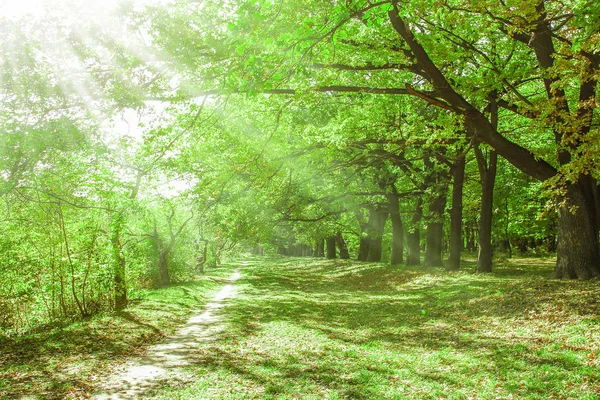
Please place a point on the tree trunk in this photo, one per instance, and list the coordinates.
(341, 244)
(435, 232)
(436, 181)
(201, 260)
(320, 247)
(414, 236)
(595, 191)
(577, 251)
(487, 173)
(363, 247)
(470, 235)
(163, 268)
(331, 254)
(397, 257)
(508, 245)
(456, 240)
(119, 279)
(570, 263)
(377, 218)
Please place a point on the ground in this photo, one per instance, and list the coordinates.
(306, 328)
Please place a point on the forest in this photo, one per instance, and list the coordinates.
(387, 179)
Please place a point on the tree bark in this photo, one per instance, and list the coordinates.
(595, 190)
(331, 253)
(397, 257)
(470, 231)
(119, 278)
(435, 233)
(120, 281)
(163, 268)
(456, 240)
(320, 247)
(163, 264)
(377, 218)
(436, 181)
(414, 236)
(363, 247)
(341, 244)
(508, 245)
(577, 251)
(487, 173)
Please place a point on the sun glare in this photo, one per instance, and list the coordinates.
(39, 8)
(20, 8)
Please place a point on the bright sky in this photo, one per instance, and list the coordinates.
(61, 56)
(38, 8)
(18, 8)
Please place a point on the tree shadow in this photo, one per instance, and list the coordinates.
(495, 325)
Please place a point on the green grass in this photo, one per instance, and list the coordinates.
(308, 329)
(67, 362)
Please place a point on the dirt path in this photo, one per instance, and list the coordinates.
(140, 376)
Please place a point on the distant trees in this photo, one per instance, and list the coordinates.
(518, 79)
(381, 131)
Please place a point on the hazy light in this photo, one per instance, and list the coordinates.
(39, 8)
(20, 8)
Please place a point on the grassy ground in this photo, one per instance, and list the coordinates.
(306, 329)
(67, 362)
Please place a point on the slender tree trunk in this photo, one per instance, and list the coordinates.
(201, 259)
(456, 240)
(414, 236)
(341, 244)
(470, 235)
(331, 253)
(436, 181)
(397, 257)
(506, 227)
(120, 281)
(163, 265)
(363, 246)
(435, 232)
(487, 173)
(163, 268)
(80, 307)
(320, 247)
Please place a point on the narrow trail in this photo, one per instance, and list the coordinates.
(164, 361)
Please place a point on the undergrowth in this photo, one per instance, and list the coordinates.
(67, 361)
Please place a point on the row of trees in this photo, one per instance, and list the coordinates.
(400, 132)
(517, 79)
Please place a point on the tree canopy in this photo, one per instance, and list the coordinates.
(143, 141)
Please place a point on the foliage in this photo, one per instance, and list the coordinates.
(61, 361)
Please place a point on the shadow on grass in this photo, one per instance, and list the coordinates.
(68, 360)
(370, 331)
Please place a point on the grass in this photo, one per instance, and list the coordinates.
(312, 329)
(67, 362)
